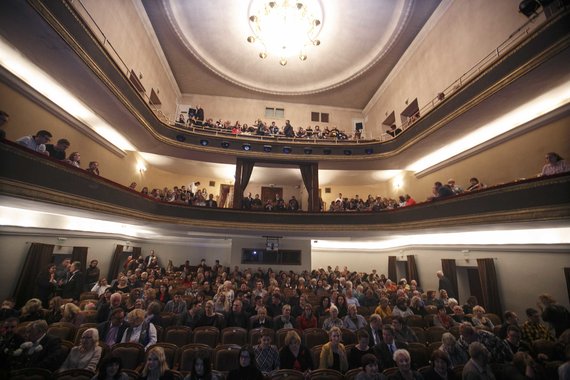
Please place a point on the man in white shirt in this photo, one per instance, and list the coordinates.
(36, 142)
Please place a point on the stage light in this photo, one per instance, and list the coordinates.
(204, 142)
(308, 150)
(181, 138)
(368, 150)
(225, 144)
(347, 152)
(246, 147)
(267, 148)
(327, 151)
(287, 149)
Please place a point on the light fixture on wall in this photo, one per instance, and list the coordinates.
(284, 28)
(246, 147)
(141, 168)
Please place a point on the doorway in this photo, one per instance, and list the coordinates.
(475, 284)
(226, 196)
(270, 193)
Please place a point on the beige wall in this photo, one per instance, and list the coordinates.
(466, 33)
(247, 111)
(123, 28)
(519, 281)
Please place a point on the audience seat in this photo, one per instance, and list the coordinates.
(234, 335)
(89, 296)
(255, 334)
(351, 375)
(171, 352)
(175, 375)
(423, 370)
(74, 374)
(168, 319)
(454, 330)
(420, 333)
(493, 318)
(316, 354)
(363, 310)
(191, 351)
(419, 354)
(89, 316)
(314, 337)
(178, 335)
(226, 357)
(458, 371)
(159, 331)
(62, 330)
(30, 374)
(543, 346)
(431, 347)
(131, 374)
(434, 333)
(209, 335)
(348, 336)
(287, 374)
(326, 374)
(219, 375)
(390, 371)
(66, 346)
(321, 320)
(387, 320)
(416, 321)
(431, 309)
(428, 320)
(132, 354)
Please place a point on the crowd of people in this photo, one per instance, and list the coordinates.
(131, 307)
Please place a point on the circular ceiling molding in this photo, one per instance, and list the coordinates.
(354, 37)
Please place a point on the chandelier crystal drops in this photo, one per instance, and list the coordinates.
(285, 28)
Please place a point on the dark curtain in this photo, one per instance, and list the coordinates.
(80, 254)
(412, 269)
(392, 275)
(38, 259)
(310, 175)
(449, 269)
(244, 168)
(137, 252)
(489, 286)
(115, 263)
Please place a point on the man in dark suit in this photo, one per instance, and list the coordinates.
(47, 349)
(374, 329)
(111, 331)
(211, 203)
(385, 350)
(104, 311)
(74, 285)
(148, 260)
(236, 317)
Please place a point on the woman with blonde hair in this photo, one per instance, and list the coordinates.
(72, 314)
(333, 353)
(32, 310)
(479, 320)
(86, 355)
(293, 355)
(156, 367)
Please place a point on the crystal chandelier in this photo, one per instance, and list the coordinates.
(284, 28)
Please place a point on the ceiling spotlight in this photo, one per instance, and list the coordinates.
(308, 150)
(263, 55)
(303, 57)
(347, 152)
(368, 150)
(287, 149)
(225, 144)
(282, 61)
(181, 138)
(251, 39)
(528, 7)
(246, 147)
(204, 142)
(327, 151)
(267, 148)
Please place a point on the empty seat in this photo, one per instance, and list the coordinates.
(326, 374)
(287, 374)
(178, 335)
(434, 333)
(207, 335)
(314, 337)
(62, 330)
(234, 335)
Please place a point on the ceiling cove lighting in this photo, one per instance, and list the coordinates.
(541, 105)
(13, 61)
(284, 28)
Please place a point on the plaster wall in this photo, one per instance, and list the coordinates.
(448, 46)
(125, 31)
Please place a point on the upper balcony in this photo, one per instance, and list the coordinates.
(28, 176)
